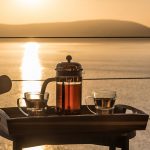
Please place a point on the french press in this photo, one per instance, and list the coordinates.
(68, 86)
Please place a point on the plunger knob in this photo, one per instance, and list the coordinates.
(69, 58)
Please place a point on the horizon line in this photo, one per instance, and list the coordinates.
(78, 37)
(74, 22)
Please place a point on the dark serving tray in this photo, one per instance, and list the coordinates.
(124, 119)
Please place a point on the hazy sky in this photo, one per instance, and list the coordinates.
(38, 11)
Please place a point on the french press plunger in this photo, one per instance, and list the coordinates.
(68, 86)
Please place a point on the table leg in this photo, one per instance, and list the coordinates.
(125, 145)
(112, 147)
(17, 145)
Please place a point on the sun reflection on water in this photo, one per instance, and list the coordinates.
(31, 67)
(31, 70)
(35, 148)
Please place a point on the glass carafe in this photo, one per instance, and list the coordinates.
(68, 87)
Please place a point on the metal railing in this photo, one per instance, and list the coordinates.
(118, 78)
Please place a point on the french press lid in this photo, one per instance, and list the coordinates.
(68, 68)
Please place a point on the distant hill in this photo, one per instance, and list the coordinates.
(88, 28)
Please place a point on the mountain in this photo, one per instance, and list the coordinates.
(87, 28)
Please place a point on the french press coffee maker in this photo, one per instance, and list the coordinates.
(68, 86)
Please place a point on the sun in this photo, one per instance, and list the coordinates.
(30, 3)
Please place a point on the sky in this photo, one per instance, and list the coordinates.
(44, 11)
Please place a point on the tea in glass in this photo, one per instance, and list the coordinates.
(36, 103)
(104, 101)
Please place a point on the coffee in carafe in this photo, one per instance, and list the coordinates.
(68, 87)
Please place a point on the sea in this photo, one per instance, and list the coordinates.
(29, 61)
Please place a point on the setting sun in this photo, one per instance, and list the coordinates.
(29, 3)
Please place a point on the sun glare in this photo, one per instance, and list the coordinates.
(30, 3)
(31, 68)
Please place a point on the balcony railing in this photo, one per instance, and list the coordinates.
(118, 78)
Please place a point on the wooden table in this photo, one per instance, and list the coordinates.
(113, 130)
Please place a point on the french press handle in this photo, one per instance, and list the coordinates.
(45, 83)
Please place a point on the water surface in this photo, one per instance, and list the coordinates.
(28, 59)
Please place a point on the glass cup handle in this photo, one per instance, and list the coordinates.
(89, 97)
(18, 104)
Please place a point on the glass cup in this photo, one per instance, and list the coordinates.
(104, 101)
(36, 103)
